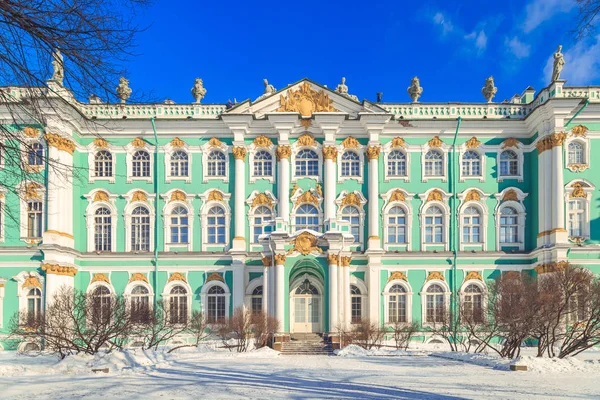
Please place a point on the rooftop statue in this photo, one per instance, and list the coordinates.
(58, 67)
(198, 91)
(343, 90)
(95, 99)
(269, 89)
(559, 63)
(415, 89)
(123, 90)
(489, 90)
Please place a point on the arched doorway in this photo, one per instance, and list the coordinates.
(306, 306)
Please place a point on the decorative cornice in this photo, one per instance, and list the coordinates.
(373, 152)
(215, 276)
(55, 269)
(215, 195)
(350, 143)
(435, 195)
(100, 195)
(178, 276)
(473, 275)
(176, 142)
(101, 143)
(473, 195)
(351, 199)
(306, 140)
(435, 275)
(60, 142)
(239, 153)
(397, 276)
(100, 278)
(551, 267)
(305, 243)
(214, 142)
(138, 142)
(139, 196)
(178, 195)
(307, 197)
(329, 152)
(279, 259)
(472, 143)
(435, 142)
(262, 199)
(262, 141)
(283, 151)
(138, 277)
(305, 101)
(398, 142)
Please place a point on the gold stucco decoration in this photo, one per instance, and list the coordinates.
(397, 276)
(579, 131)
(319, 190)
(283, 151)
(262, 141)
(279, 259)
(330, 152)
(214, 142)
(578, 191)
(178, 195)
(435, 142)
(306, 122)
(351, 199)
(239, 153)
(295, 188)
(305, 243)
(138, 142)
(350, 143)
(100, 278)
(267, 261)
(435, 275)
(305, 101)
(307, 197)
(32, 191)
(176, 142)
(178, 276)
(138, 277)
(551, 267)
(215, 276)
(473, 275)
(32, 281)
(60, 142)
(31, 132)
(101, 195)
(262, 199)
(139, 196)
(332, 259)
(557, 139)
(56, 269)
(435, 195)
(472, 143)
(473, 195)
(510, 195)
(398, 142)
(101, 143)
(373, 152)
(345, 261)
(215, 195)
(397, 195)
(306, 140)
(510, 142)
(63, 234)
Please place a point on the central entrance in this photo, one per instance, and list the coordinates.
(307, 306)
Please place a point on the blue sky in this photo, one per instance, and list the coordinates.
(378, 46)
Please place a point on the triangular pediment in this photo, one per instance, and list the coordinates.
(306, 98)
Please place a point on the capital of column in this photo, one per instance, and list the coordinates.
(329, 152)
(55, 269)
(279, 259)
(283, 151)
(239, 153)
(373, 152)
(345, 261)
(60, 142)
(332, 259)
(267, 261)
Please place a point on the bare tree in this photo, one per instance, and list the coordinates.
(588, 18)
(238, 328)
(367, 334)
(157, 327)
(198, 329)
(403, 333)
(264, 328)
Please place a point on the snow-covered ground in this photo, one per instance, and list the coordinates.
(264, 374)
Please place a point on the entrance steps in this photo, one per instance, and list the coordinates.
(306, 344)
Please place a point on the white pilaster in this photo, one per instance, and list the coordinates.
(283, 162)
(374, 243)
(329, 154)
(280, 290)
(239, 240)
(333, 294)
(558, 234)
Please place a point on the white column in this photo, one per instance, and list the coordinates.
(280, 290)
(333, 293)
(283, 159)
(374, 294)
(547, 194)
(330, 176)
(541, 239)
(346, 293)
(373, 155)
(559, 233)
(239, 240)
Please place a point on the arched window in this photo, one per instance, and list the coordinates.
(307, 163)
(434, 225)
(257, 300)
(471, 164)
(434, 163)
(216, 163)
(140, 229)
(34, 306)
(140, 304)
(179, 225)
(473, 303)
(307, 217)
(178, 305)
(216, 225)
(509, 163)
(141, 164)
(471, 225)
(101, 305)
(509, 225)
(350, 164)
(35, 155)
(34, 219)
(103, 166)
(179, 163)
(435, 304)
(352, 215)
(262, 218)
(397, 304)
(396, 163)
(396, 228)
(576, 218)
(216, 304)
(102, 229)
(356, 304)
(575, 153)
(263, 163)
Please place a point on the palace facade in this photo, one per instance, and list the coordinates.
(306, 203)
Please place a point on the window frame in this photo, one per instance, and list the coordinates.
(131, 150)
(519, 161)
(482, 157)
(424, 293)
(204, 294)
(585, 143)
(207, 149)
(360, 160)
(206, 206)
(484, 294)
(408, 292)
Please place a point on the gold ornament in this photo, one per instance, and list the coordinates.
(397, 195)
(473, 275)
(332, 259)
(307, 197)
(178, 276)
(176, 142)
(138, 277)
(215, 276)
(329, 152)
(577, 167)
(283, 151)
(32, 191)
(305, 101)
(319, 190)
(398, 276)
(473, 195)
(100, 278)
(579, 131)
(472, 143)
(435, 142)
(279, 259)
(434, 195)
(101, 143)
(32, 281)
(557, 139)
(31, 132)
(510, 195)
(345, 261)
(510, 142)
(214, 142)
(60, 142)
(178, 195)
(306, 140)
(56, 269)
(578, 191)
(295, 188)
(267, 261)
(306, 122)
(262, 199)
(139, 196)
(215, 195)
(63, 234)
(398, 142)
(239, 153)
(351, 199)
(551, 267)
(373, 152)
(138, 142)
(435, 275)
(101, 195)
(262, 141)
(350, 143)
(305, 243)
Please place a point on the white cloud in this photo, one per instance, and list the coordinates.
(539, 11)
(479, 39)
(582, 63)
(444, 22)
(517, 48)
